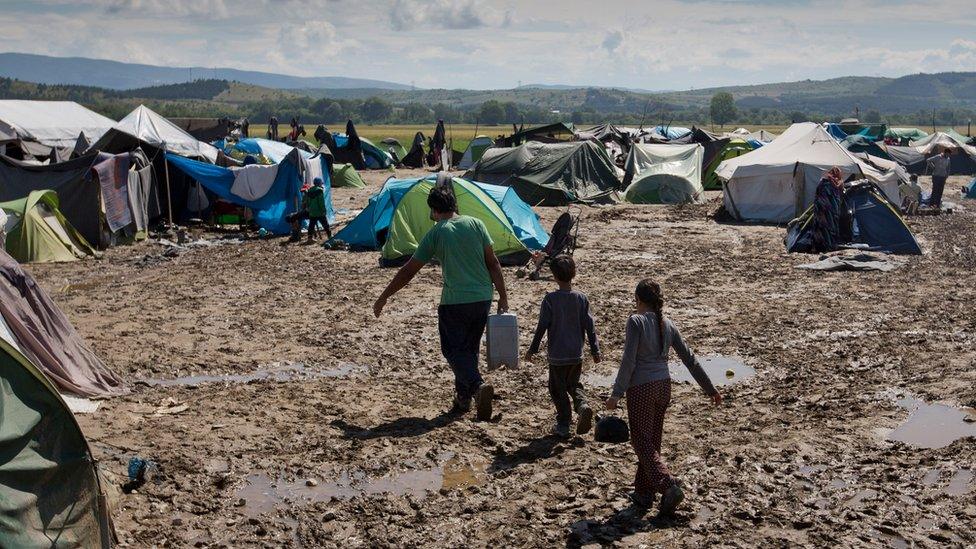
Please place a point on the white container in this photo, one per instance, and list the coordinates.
(503, 341)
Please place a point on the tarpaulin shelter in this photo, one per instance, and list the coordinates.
(34, 324)
(777, 182)
(204, 129)
(344, 175)
(868, 219)
(550, 174)
(476, 149)
(50, 493)
(37, 231)
(415, 156)
(904, 135)
(962, 160)
(664, 174)
(271, 191)
(550, 133)
(52, 123)
(78, 195)
(861, 144)
(616, 140)
(397, 218)
(672, 132)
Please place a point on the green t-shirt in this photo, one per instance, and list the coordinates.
(459, 244)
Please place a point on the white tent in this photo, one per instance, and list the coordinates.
(149, 127)
(777, 182)
(476, 148)
(937, 142)
(664, 174)
(53, 123)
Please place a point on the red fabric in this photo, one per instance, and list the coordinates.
(646, 407)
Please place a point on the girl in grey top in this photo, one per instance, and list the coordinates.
(643, 377)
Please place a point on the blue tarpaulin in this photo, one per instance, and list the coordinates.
(281, 199)
(275, 151)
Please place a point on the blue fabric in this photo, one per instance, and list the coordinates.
(275, 151)
(362, 231)
(269, 210)
(327, 184)
(969, 191)
(755, 143)
(835, 132)
(672, 132)
(519, 214)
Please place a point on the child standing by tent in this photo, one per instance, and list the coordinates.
(315, 205)
(565, 315)
(644, 378)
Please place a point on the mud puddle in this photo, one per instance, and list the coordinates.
(722, 370)
(932, 425)
(277, 372)
(261, 493)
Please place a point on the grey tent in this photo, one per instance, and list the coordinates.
(34, 324)
(550, 174)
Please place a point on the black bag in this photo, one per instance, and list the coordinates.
(611, 429)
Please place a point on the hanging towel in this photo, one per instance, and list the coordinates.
(113, 179)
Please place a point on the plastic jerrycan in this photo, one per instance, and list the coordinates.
(503, 340)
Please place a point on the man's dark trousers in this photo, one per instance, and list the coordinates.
(461, 327)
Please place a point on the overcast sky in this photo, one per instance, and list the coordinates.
(652, 44)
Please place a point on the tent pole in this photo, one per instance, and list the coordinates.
(169, 194)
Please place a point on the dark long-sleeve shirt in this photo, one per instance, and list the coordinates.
(565, 316)
(646, 356)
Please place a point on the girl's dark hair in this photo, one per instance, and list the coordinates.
(649, 293)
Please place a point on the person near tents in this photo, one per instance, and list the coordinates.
(245, 128)
(644, 378)
(470, 269)
(826, 211)
(939, 166)
(273, 128)
(565, 316)
(315, 206)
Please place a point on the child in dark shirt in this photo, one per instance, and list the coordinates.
(565, 316)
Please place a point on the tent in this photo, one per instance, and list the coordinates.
(550, 133)
(672, 132)
(52, 123)
(873, 221)
(394, 148)
(50, 492)
(398, 217)
(344, 175)
(969, 190)
(664, 174)
(34, 324)
(550, 174)
(777, 182)
(476, 149)
(861, 144)
(731, 148)
(37, 231)
(272, 191)
(904, 135)
(962, 160)
(143, 126)
(376, 158)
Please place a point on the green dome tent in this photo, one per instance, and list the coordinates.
(37, 231)
(476, 149)
(396, 150)
(345, 175)
(398, 217)
(664, 174)
(49, 487)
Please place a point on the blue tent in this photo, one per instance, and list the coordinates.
(376, 158)
(672, 132)
(835, 131)
(275, 151)
(270, 209)
(969, 191)
(368, 229)
(874, 223)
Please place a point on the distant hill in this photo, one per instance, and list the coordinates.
(102, 73)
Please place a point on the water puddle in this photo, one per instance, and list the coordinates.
(278, 372)
(932, 425)
(959, 484)
(722, 370)
(261, 493)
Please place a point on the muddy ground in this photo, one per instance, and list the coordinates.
(798, 455)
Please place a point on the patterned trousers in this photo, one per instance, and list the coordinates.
(646, 406)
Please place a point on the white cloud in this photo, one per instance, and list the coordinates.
(446, 14)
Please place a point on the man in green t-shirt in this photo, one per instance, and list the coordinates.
(470, 269)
